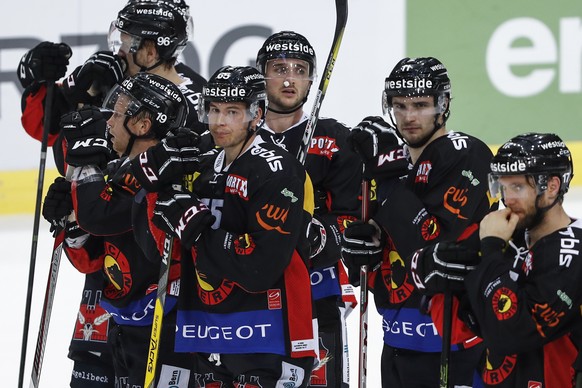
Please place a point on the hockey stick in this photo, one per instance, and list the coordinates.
(447, 331)
(341, 7)
(47, 308)
(41, 170)
(362, 365)
(155, 337)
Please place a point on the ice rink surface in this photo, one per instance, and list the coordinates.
(15, 253)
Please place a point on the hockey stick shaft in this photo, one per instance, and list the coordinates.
(37, 211)
(447, 331)
(47, 308)
(362, 359)
(341, 7)
(156, 334)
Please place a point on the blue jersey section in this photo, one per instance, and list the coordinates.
(139, 312)
(408, 328)
(324, 283)
(241, 332)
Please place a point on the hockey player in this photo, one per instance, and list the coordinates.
(431, 188)
(289, 64)
(245, 304)
(145, 108)
(525, 293)
(89, 83)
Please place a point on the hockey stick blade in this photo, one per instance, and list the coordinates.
(156, 334)
(341, 7)
(47, 308)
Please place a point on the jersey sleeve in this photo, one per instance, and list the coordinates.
(103, 207)
(89, 257)
(525, 307)
(257, 259)
(33, 112)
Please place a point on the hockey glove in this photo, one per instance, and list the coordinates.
(442, 266)
(85, 131)
(317, 237)
(182, 214)
(378, 145)
(362, 244)
(90, 82)
(168, 161)
(58, 203)
(372, 136)
(75, 237)
(46, 62)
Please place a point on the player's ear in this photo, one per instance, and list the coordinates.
(554, 186)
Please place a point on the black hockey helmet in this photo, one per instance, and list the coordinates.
(414, 77)
(235, 84)
(287, 44)
(159, 98)
(160, 21)
(540, 155)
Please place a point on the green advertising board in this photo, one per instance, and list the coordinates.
(515, 65)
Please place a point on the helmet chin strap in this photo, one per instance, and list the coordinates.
(292, 110)
(145, 68)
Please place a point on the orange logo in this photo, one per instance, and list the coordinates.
(546, 314)
(454, 199)
(270, 217)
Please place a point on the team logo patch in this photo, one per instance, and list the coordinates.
(430, 229)
(118, 272)
(497, 369)
(271, 217)
(211, 294)
(454, 199)
(422, 172)
(244, 245)
(395, 276)
(504, 303)
(344, 221)
(324, 146)
(92, 324)
(106, 193)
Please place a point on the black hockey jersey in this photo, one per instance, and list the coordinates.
(444, 195)
(527, 301)
(247, 289)
(336, 174)
(104, 208)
